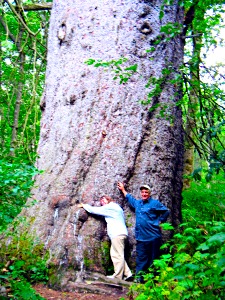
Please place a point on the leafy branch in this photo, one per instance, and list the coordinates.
(116, 66)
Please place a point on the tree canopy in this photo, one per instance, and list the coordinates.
(23, 46)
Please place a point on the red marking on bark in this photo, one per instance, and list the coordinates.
(59, 201)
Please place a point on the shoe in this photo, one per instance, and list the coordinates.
(111, 276)
(129, 278)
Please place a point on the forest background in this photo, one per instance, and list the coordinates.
(194, 264)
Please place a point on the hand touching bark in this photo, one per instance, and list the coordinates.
(121, 187)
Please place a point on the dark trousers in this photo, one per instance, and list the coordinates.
(146, 253)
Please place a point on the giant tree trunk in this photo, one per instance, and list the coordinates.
(94, 131)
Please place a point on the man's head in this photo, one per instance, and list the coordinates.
(145, 192)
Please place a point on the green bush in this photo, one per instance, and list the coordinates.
(22, 290)
(194, 267)
(195, 271)
(16, 180)
(22, 257)
(22, 262)
(204, 201)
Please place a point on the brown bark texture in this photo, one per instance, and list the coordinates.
(95, 132)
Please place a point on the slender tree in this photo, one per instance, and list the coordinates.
(204, 114)
(23, 41)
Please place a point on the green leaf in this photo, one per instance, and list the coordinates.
(132, 68)
(90, 61)
(166, 226)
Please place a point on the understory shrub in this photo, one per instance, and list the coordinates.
(22, 263)
(194, 265)
(22, 257)
(204, 201)
(194, 268)
(16, 180)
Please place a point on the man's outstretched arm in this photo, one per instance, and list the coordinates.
(121, 187)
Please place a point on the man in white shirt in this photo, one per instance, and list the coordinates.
(117, 232)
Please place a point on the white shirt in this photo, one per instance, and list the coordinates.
(114, 217)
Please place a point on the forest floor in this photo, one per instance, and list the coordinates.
(94, 290)
(51, 294)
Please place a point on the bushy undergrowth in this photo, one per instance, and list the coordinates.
(22, 262)
(194, 267)
(204, 201)
(22, 257)
(16, 180)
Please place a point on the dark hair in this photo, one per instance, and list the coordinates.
(109, 199)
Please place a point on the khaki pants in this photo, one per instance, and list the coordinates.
(117, 255)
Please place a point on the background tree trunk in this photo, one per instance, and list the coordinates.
(94, 131)
(19, 92)
(193, 107)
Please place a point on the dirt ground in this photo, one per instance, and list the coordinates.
(51, 294)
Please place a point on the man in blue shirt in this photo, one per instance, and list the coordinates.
(149, 214)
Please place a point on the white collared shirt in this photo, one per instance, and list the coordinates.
(114, 217)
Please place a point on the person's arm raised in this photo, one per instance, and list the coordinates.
(121, 187)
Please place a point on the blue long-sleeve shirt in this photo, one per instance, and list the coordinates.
(149, 214)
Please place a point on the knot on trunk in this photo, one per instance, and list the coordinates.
(146, 28)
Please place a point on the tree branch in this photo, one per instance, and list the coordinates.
(191, 36)
(12, 37)
(19, 18)
(37, 6)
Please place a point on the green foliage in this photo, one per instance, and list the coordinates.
(22, 64)
(168, 32)
(194, 267)
(116, 66)
(22, 262)
(22, 259)
(105, 251)
(204, 116)
(207, 195)
(22, 290)
(171, 30)
(16, 180)
(195, 271)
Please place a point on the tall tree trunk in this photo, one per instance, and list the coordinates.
(19, 91)
(193, 108)
(195, 98)
(94, 131)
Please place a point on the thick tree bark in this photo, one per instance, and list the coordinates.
(94, 131)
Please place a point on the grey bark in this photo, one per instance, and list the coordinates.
(95, 132)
